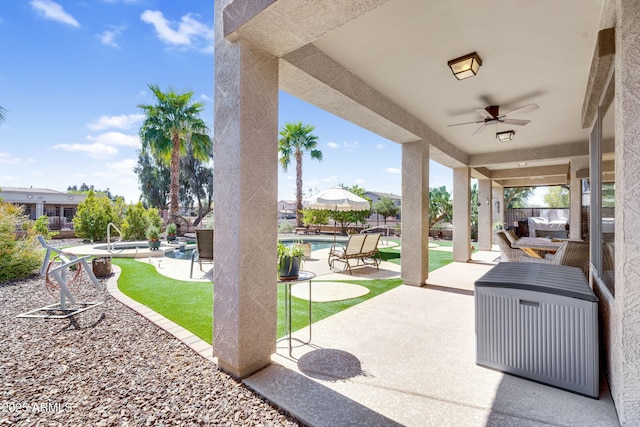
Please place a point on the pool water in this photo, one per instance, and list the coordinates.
(178, 254)
(315, 245)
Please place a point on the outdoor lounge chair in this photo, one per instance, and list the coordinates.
(507, 253)
(572, 253)
(204, 251)
(360, 247)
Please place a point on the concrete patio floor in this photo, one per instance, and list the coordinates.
(406, 357)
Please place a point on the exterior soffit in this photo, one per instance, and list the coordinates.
(315, 63)
(555, 153)
(282, 26)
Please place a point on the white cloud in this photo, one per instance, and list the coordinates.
(380, 146)
(96, 151)
(359, 181)
(8, 178)
(103, 145)
(331, 144)
(189, 33)
(52, 10)
(7, 159)
(393, 170)
(123, 121)
(116, 139)
(206, 98)
(108, 37)
(351, 146)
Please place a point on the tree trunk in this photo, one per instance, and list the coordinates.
(174, 187)
(298, 188)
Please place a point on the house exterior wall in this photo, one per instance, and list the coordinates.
(625, 320)
(58, 206)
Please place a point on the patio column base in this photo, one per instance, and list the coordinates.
(243, 371)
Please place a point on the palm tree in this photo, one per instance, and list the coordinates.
(296, 139)
(170, 126)
(2, 114)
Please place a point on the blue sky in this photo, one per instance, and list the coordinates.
(73, 72)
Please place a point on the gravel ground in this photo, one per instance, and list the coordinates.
(109, 366)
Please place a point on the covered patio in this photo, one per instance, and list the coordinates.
(382, 64)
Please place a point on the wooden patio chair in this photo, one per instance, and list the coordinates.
(204, 248)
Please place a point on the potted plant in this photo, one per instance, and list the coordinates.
(172, 229)
(153, 235)
(289, 261)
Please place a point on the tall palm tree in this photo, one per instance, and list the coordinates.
(2, 114)
(296, 139)
(171, 124)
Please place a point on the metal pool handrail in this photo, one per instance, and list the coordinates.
(109, 248)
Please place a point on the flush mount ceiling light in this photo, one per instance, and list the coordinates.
(505, 136)
(465, 66)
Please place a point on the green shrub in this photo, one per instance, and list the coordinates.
(134, 224)
(153, 217)
(19, 256)
(286, 227)
(93, 216)
(137, 219)
(41, 227)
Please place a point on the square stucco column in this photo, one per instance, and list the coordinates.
(245, 199)
(497, 200)
(461, 214)
(485, 215)
(415, 213)
(625, 363)
(575, 198)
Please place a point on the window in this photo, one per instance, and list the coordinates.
(602, 194)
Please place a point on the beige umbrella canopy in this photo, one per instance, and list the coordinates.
(336, 199)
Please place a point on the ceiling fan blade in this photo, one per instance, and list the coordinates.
(521, 110)
(516, 122)
(465, 123)
(483, 112)
(479, 130)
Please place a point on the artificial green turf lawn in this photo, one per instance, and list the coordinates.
(190, 304)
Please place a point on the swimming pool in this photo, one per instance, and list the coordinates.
(316, 244)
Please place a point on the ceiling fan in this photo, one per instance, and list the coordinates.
(491, 115)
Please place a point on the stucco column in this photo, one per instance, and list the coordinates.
(485, 215)
(415, 213)
(461, 214)
(497, 207)
(245, 199)
(625, 366)
(575, 197)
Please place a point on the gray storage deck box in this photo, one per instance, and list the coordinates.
(540, 322)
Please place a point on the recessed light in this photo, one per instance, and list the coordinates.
(522, 164)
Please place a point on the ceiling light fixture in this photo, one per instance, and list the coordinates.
(505, 136)
(465, 66)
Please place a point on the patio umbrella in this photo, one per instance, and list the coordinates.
(336, 199)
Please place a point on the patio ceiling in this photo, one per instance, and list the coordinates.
(382, 64)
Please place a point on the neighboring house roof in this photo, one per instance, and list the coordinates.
(30, 195)
(380, 195)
